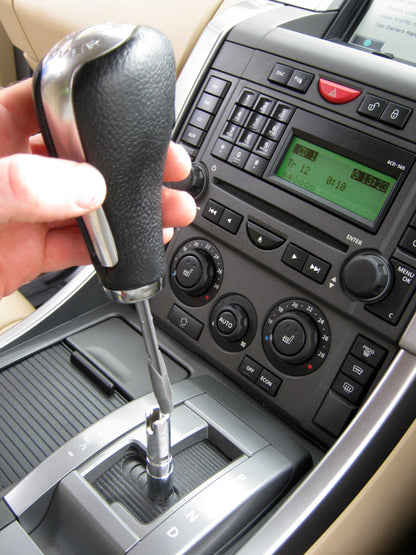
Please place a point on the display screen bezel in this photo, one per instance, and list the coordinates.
(349, 143)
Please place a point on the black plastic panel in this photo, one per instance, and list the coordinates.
(44, 401)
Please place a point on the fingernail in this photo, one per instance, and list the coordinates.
(91, 186)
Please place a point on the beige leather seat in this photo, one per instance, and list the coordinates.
(13, 309)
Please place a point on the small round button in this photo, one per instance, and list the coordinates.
(188, 271)
(232, 322)
(289, 337)
(226, 322)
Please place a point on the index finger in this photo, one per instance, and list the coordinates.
(18, 119)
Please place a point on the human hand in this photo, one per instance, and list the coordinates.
(40, 197)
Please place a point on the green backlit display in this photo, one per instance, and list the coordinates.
(335, 178)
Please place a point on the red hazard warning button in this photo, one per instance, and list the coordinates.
(336, 93)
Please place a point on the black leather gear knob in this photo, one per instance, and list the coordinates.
(120, 87)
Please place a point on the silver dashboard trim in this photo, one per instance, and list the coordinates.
(57, 73)
(327, 476)
(82, 275)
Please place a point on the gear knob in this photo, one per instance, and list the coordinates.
(105, 95)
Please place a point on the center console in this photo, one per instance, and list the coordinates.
(297, 278)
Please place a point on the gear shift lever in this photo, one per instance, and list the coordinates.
(105, 95)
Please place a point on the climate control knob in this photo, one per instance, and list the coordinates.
(296, 337)
(367, 277)
(196, 272)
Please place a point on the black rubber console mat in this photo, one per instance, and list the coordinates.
(125, 481)
(45, 401)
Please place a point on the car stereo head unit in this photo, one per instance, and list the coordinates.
(346, 172)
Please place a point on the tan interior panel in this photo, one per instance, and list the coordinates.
(13, 309)
(383, 514)
(7, 69)
(42, 23)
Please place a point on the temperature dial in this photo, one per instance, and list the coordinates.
(296, 337)
(196, 272)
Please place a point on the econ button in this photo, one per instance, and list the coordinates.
(336, 93)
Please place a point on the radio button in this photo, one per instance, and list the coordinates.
(262, 238)
(247, 98)
(264, 105)
(213, 211)
(230, 221)
(238, 157)
(239, 115)
(392, 307)
(265, 147)
(336, 93)
(256, 122)
(247, 139)
(209, 103)
(372, 106)
(217, 87)
(300, 80)
(231, 131)
(256, 165)
(274, 130)
(193, 136)
(316, 269)
(222, 149)
(283, 112)
(295, 257)
(201, 119)
(281, 74)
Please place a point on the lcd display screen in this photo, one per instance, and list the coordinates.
(339, 180)
(388, 26)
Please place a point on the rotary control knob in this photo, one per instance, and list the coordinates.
(196, 272)
(367, 277)
(296, 337)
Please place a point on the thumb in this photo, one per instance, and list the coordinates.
(41, 189)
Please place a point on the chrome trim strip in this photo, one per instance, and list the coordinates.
(135, 295)
(408, 339)
(58, 70)
(81, 277)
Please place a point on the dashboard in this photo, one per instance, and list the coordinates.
(286, 319)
